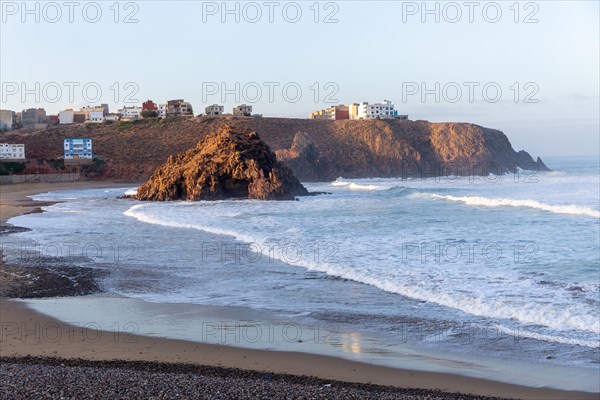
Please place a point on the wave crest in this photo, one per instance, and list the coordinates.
(503, 202)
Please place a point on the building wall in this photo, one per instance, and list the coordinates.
(7, 120)
(65, 177)
(353, 111)
(341, 114)
(33, 116)
(66, 117)
(79, 117)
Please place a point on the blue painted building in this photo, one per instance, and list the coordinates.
(79, 148)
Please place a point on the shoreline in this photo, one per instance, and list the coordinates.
(14, 202)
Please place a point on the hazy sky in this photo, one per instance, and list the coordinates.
(530, 69)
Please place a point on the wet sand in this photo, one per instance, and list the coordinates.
(28, 333)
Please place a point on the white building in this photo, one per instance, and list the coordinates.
(66, 117)
(89, 110)
(214, 109)
(76, 149)
(383, 110)
(162, 110)
(242, 110)
(112, 117)
(96, 116)
(129, 113)
(10, 151)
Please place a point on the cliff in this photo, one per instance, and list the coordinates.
(314, 150)
(226, 164)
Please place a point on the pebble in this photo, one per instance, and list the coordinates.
(51, 378)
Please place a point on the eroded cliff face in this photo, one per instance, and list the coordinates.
(407, 149)
(314, 150)
(227, 164)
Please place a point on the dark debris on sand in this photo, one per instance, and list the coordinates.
(32, 275)
(52, 378)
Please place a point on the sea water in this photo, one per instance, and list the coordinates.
(505, 267)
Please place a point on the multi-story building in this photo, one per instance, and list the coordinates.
(321, 114)
(130, 113)
(179, 108)
(383, 110)
(242, 110)
(33, 118)
(7, 120)
(66, 116)
(162, 110)
(334, 112)
(78, 148)
(353, 110)
(9, 151)
(149, 105)
(214, 109)
(90, 109)
(96, 116)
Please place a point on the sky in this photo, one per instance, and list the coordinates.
(529, 69)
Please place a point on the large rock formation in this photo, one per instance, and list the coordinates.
(227, 164)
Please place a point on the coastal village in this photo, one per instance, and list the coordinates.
(79, 150)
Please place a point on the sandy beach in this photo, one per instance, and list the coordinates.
(27, 345)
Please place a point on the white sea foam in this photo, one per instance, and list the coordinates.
(527, 334)
(503, 202)
(478, 295)
(356, 186)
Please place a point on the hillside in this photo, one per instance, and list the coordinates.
(314, 150)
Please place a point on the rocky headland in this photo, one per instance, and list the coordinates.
(226, 164)
(314, 150)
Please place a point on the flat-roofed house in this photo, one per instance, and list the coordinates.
(10, 151)
(242, 110)
(214, 109)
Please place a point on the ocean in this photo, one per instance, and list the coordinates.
(497, 268)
